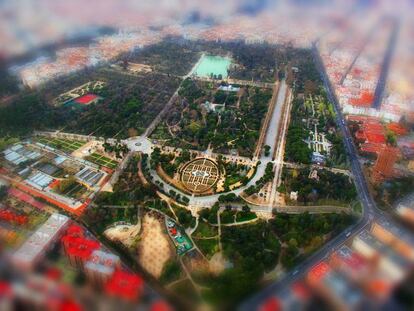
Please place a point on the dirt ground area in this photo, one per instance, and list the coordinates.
(123, 233)
(91, 147)
(218, 263)
(154, 248)
(84, 150)
(134, 67)
(262, 197)
(195, 261)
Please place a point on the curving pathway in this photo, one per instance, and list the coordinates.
(143, 144)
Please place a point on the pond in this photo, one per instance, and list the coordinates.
(213, 65)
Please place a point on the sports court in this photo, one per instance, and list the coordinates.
(200, 175)
(86, 99)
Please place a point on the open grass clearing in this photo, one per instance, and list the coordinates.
(65, 145)
(102, 160)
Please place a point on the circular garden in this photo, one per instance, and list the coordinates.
(200, 175)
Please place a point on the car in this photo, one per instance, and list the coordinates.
(348, 234)
(295, 272)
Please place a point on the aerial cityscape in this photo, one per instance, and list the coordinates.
(207, 155)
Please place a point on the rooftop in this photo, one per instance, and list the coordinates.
(396, 230)
(79, 247)
(102, 261)
(22, 196)
(89, 176)
(366, 99)
(342, 288)
(39, 180)
(318, 271)
(349, 258)
(38, 241)
(384, 250)
(17, 154)
(125, 285)
(370, 240)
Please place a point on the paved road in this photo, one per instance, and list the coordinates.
(380, 89)
(143, 144)
(250, 83)
(162, 113)
(266, 121)
(171, 102)
(279, 148)
(318, 167)
(370, 210)
(274, 124)
(360, 49)
(208, 201)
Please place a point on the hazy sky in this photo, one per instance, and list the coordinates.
(30, 23)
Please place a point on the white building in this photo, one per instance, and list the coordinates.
(35, 247)
(101, 266)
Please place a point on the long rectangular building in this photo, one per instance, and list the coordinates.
(37, 244)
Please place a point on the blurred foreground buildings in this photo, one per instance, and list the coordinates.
(360, 275)
(61, 266)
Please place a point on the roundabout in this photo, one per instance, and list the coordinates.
(199, 199)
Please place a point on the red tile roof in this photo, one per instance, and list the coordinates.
(54, 183)
(75, 231)
(53, 274)
(37, 193)
(397, 128)
(5, 289)
(371, 148)
(371, 132)
(356, 71)
(300, 290)
(365, 100)
(374, 137)
(271, 304)
(160, 305)
(352, 260)
(125, 285)
(9, 216)
(318, 271)
(70, 305)
(79, 247)
(379, 287)
(22, 196)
